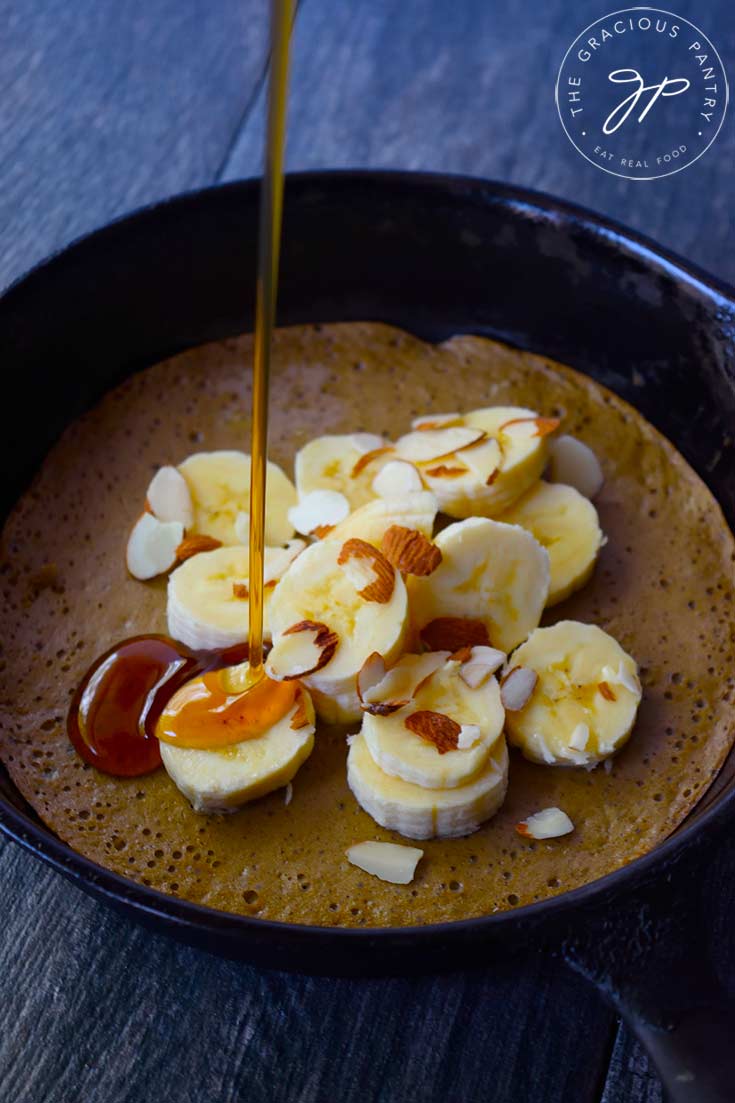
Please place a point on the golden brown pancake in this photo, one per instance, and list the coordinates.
(663, 587)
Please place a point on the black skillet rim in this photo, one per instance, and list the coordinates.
(149, 902)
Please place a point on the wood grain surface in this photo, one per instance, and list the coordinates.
(106, 107)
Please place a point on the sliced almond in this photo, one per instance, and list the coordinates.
(152, 546)
(435, 728)
(322, 531)
(580, 737)
(382, 695)
(443, 471)
(516, 688)
(409, 551)
(193, 545)
(606, 692)
(288, 794)
(451, 633)
(169, 498)
(367, 442)
(368, 457)
(302, 649)
(480, 664)
(574, 463)
(389, 861)
(278, 560)
(468, 736)
(368, 570)
(484, 460)
(623, 678)
(318, 508)
(240, 591)
(397, 477)
(530, 426)
(436, 421)
(300, 718)
(370, 674)
(424, 445)
(548, 824)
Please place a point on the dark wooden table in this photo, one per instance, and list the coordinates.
(107, 106)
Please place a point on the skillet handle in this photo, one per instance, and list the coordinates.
(650, 957)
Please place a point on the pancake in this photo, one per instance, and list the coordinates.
(663, 587)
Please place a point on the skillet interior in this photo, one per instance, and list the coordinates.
(427, 227)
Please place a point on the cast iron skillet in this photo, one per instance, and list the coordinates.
(437, 256)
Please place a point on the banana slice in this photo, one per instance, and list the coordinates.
(484, 478)
(573, 462)
(566, 524)
(399, 750)
(584, 703)
(337, 603)
(491, 573)
(219, 484)
(207, 597)
(224, 780)
(414, 510)
(347, 464)
(420, 813)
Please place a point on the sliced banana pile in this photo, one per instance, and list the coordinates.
(430, 758)
(425, 633)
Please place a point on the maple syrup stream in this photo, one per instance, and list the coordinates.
(126, 700)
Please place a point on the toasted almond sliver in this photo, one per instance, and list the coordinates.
(443, 471)
(368, 457)
(574, 463)
(397, 477)
(152, 546)
(580, 737)
(302, 649)
(468, 736)
(516, 688)
(481, 663)
(425, 445)
(484, 460)
(193, 545)
(409, 551)
(369, 571)
(451, 633)
(300, 718)
(288, 794)
(168, 497)
(370, 674)
(435, 728)
(278, 560)
(606, 692)
(548, 824)
(436, 421)
(530, 426)
(400, 684)
(319, 507)
(389, 861)
(367, 442)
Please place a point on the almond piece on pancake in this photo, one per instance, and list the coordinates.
(389, 861)
(300, 650)
(547, 824)
(436, 421)
(368, 569)
(319, 509)
(152, 546)
(383, 691)
(452, 633)
(409, 551)
(516, 688)
(426, 445)
(168, 497)
(479, 664)
(435, 728)
(397, 477)
(195, 544)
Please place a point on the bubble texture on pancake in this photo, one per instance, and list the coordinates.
(663, 587)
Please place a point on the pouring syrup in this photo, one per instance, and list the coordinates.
(152, 688)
